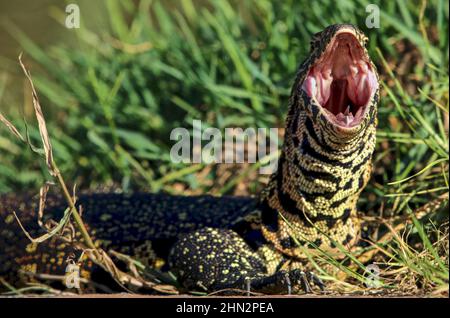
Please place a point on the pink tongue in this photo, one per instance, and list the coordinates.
(338, 101)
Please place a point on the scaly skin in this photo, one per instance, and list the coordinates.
(215, 243)
(321, 172)
(142, 225)
(311, 198)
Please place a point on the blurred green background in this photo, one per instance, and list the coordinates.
(113, 90)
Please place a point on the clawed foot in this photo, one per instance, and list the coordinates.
(284, 281)
(305, 280)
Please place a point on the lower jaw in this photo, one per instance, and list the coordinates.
(345, 122)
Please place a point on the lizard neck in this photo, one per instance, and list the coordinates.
(312, 196)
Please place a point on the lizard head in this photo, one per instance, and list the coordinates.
(339, 76)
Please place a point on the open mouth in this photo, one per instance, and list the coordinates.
(342, 81)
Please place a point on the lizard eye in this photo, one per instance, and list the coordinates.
(365, 41)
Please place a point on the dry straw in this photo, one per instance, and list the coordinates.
(97, 255)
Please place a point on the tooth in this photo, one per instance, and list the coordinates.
(347, 111)
(372, 80)
(325, 89)
(326, 73)
(348, 120)
(310, 86)
(359, 112)
(345, 119)
(363, 68)
(351, 88)
(361, 86)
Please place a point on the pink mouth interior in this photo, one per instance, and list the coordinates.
(342, 81)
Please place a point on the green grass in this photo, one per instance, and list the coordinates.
(112, 96)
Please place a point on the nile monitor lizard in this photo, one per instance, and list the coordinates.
(213, 243)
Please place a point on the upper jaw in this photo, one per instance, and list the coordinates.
(342, 80)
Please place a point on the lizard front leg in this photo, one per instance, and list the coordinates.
(213, 259)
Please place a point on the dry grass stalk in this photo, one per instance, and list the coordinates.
(97, 255)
